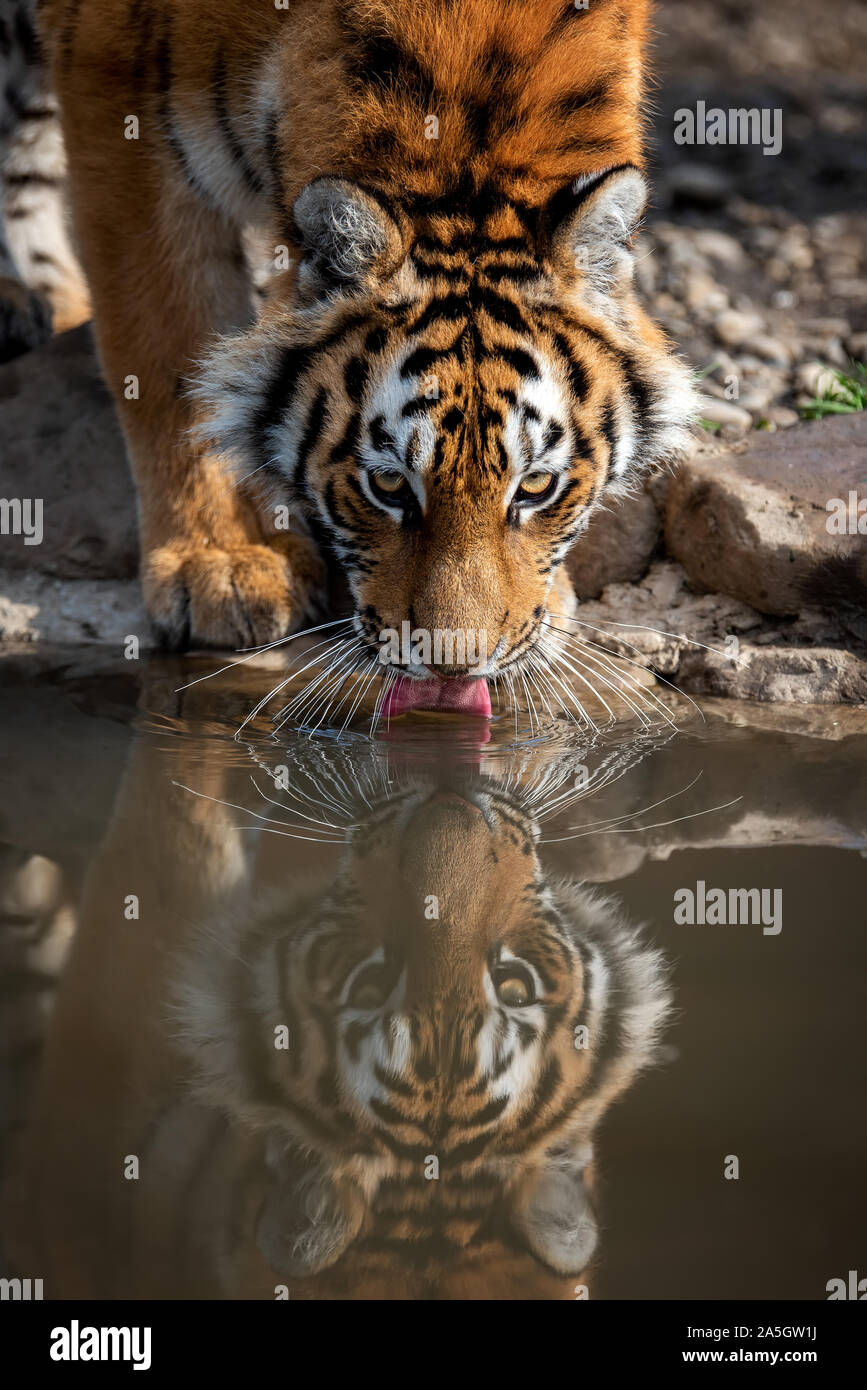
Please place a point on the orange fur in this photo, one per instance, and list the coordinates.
(475, 153)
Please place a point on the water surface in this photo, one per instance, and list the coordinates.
(413, 1016)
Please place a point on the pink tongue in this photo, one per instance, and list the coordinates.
(468, 695)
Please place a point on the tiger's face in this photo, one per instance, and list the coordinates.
(448, 394)
(456, 1025)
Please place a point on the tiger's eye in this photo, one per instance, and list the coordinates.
(536, 485)
(388, 480)
(515, 990)
(372, 987)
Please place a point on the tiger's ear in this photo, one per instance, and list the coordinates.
(552, 1211)
(307, 1220)
(349, 236)
(590, 225)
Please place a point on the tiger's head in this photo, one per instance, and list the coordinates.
(426, 1049)
(446, 392)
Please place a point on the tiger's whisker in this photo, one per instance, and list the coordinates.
(233, 806)
(328, 642)
(651, 700)
(638, 829)
(642, 665)
(257, 651)
(576, 666)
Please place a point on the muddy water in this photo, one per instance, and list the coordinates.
(448, 1012)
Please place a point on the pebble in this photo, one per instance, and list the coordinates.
(703, 293)
(719, 246)
(815, 378)
(724, 413)
(759, 306)
(773, 349)
(735, 326)
(783, 416)
(755, 401)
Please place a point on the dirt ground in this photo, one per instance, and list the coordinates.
(778, 240)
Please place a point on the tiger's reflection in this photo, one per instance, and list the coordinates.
(374, 1076)
(428, 1046)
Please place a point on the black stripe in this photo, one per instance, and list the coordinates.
(68, 31)
(316, 418)
(355, 375)
(590, 98)
(568, 15)
(238, 154)
(165, 81)
(32, 179)
(521, 361)
(608, 429)
(520, 272)
(273, 156)
(422, 359)
(293, 363)
(449, 308)
(502, 310)
(376, 59)
(578, 379)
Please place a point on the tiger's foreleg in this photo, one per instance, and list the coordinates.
(166, 272)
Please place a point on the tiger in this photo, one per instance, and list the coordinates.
(451, 370)
(427, 1128)
(42, 288)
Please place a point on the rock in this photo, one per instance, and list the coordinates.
(40, 608)
(736, 326)
(783, 417)
(825, 326)
(712, 644)
(617, 546)
(724, 412)
(703, 294)
(852, 290)
(830, 350)
(755, 401)
(773, 349)
(756, 525)
(781, 674)
(62, 446)
(816, 379)
(719, 246)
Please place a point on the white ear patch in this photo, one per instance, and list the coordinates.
(592, 239)
(347, 234)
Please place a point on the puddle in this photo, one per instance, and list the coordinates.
(442, 1013)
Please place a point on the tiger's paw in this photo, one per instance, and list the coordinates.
(25, 319)
(200, 595)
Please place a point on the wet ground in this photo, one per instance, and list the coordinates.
(445, 1012)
